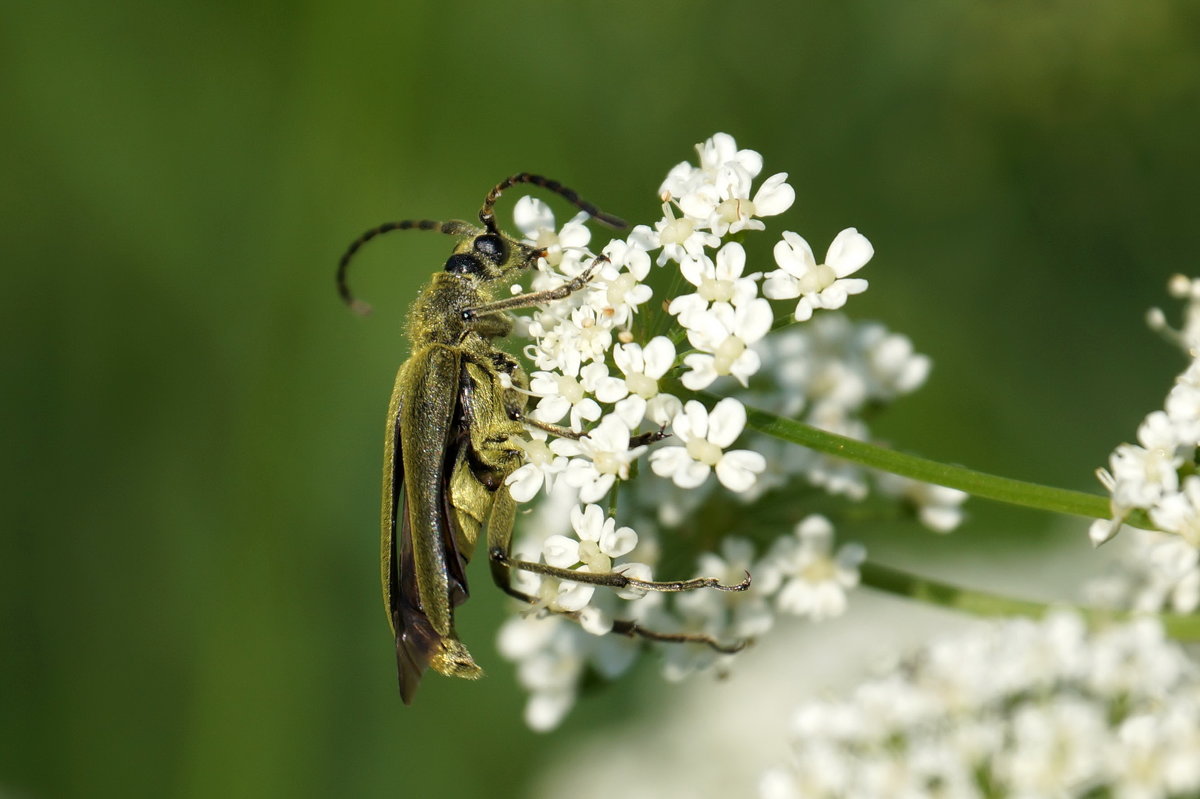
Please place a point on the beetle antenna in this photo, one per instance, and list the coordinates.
(451, 228)
(489, 219)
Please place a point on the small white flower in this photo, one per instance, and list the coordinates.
(597, 543)
(716, 282)
(1179, 512)
(716, 153)
(705, 437)
(566, 248)
(815, 579)
(539, 470)
(681, 237)
(824, 285)
(567, 391)
(731, 615)
(598, 459)
(724, 334)
(637, 394)
(618, 289)
(938, 508)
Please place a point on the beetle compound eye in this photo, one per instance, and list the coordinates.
(463, 264)
(490, 247)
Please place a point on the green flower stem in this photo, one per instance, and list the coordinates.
(980, 603)
(978, 484)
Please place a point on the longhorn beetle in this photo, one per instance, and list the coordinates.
(449, 444)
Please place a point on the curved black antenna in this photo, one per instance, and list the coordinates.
(489, 219)
(451, 228)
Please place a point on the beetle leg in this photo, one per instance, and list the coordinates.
(639, 440)
(535, 297)
(612, 579)
(498, 540)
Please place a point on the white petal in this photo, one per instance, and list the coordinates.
(524, 483)
(611, 435)
(618, 542)
(546, 709)
(595, 621)
(631, 410)
(849, 252)
(628, 358)
(595, 491)
(552, 409)
(694, 270)
(1102, 530)
(693, 423)
(611, 389)
(665, 461)
(700, 203)
(663, 408)
(853, 285)
(774, 196)
(691, 475)
(703, 372)
(731, 260)
(746, 366)
(830, 298)
(793, 254)
(588, 522)
(575, 234)
(738, 469)
(579, 472)
(804, 310)
(726, 422)
(531, 215)
(686, 306)
(779, 285)
(587, 409)
(753, 320)
(573, 596)
(659, 356)
(560, 551)
(566, 447)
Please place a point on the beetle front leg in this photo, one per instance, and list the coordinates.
(535, 297)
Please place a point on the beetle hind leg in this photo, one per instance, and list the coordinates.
(625, 627)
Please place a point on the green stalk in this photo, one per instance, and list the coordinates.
(978, 484)
(982, 603)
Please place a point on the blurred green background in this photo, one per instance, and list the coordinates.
(188, 579)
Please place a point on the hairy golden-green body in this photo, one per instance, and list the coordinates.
(448, 449)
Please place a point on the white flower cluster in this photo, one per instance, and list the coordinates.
(601, 372)
(1158, 475)
(1155, 573)
(1021, 709)
(827, 373)
(800, 575)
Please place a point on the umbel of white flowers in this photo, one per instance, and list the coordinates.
(1157, 475)
(595, 373)
(1020, 709)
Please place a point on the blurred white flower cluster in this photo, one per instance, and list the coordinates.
(1158, 475)
(1016, 709)
(617, 372)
